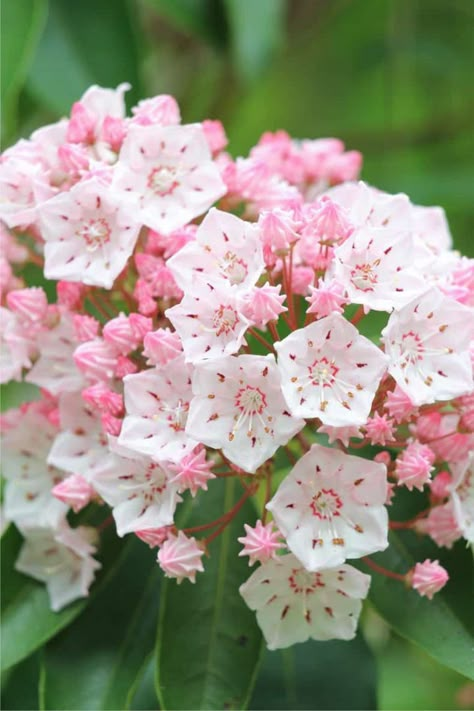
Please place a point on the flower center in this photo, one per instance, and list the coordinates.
(301, 581)
(322, 372)
(95, 232)
(163, 180)
(233, 268)
(250, 401)
(412, 346)
(224, 320)
(325, 504)
(364, 276)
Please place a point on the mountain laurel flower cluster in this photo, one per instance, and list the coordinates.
(268, 321)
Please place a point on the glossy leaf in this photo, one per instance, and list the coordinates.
(27, 620)
(256, 32)
(21, 26)
(308, 676)
(91, 42)
(208, 641)
(443, 626)
(96, 662)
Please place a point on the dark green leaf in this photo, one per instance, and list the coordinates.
(21, 26)
(143, 695)
(208, 642)
(257, 33)
(22, 689)
(96, 662)
(443, 626)
(84, 43)
(308, 676)
(27, 620)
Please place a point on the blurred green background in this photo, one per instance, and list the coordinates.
(392, 78)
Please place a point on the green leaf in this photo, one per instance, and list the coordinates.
(27, 620)
(257, 33)
(84, 43)
(21, 26)
(22, 689)
(208, 643)
(308, 676)
(203, 18)
(443, 626)
(97, 661)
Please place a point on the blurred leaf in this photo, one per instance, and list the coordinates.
(308, 676)
(27, 620)
(203, 18)
(21, 26)
(257, 33)
(22, 689)
(208, 642)
(142, 696)
(443, 626)
(96, 662)
(84, 43)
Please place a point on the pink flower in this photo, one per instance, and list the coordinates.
(126, 333)
(170, 172)
(192, 472)
(61, 558)
(414, 466)
(331, 507)
(330, 371)
(70, 294)
(154, 536)
(441, 485)
(96, 359)
(341, 434)
(157, 404)
(260, 543)
(162, 110)
(86, 328)
(238, 407)
(399, 405)
(210, 322)
(215, 135)
(428, 578)
(74, 491)
(180, 557)
(31, 305)
(226, 250)
(294, 605)
(441, 525)
(427, 343)
(90, 232)
(91, 111)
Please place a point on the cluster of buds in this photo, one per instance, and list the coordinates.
(214, 316)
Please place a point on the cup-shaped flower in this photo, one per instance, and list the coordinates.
(331, 507)
(294, 605)
(330, 371)
(238, 407)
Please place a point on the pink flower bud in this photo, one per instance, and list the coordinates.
(161, 346)
(428, 578)
(113, 132)
(180, 557)
(345, 166)
(441, 525)
(215, 135)
(414, 466)
(260, 543)
(147, 265)
(81, 124)
(327, 298)
(74, 491)
(441, 485)
(399, 405)
(124, 333)
(73, 159)
(383, 458)
(144, 295)
(96, 359)
(329, 223)
(162, 110)
(110, 424)
(29, 304)
(140, 326)
(86, 328)
(264, 304)
(70, 294)
(124, 366)
(154, 536)
(104, 399)
(193, 472)
(301, 280)
(379, 429)
(278, 231)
